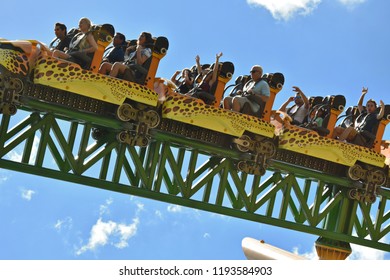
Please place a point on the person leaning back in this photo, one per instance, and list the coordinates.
(256, 93)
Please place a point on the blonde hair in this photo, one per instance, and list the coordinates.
(86, 20)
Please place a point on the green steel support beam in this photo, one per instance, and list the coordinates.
(287, 196)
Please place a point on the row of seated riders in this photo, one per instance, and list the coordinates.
(128, 60)
(359, 125)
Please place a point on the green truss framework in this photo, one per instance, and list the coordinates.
(186, 172)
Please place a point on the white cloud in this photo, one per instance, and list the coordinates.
(158, 214)
(126, 232)
(206, 235)
(103, 209)
(140, 207)
(27, 194)
(66, 223)
(111, 233)
(175, 208)
(103, 233)
(358, 253)
(15, 156)
(366, 253)
(3, 178)
(286, 9)
(351, 3)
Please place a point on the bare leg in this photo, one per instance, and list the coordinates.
(60, 54)
(236, 105)
(227, 102)
(344, 135)
(338, 130)
(117, 68)
(105, 68)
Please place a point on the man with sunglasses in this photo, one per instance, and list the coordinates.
(255, 93)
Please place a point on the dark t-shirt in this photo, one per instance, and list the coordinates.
(117, 54)
(369, 123)
(62, 44)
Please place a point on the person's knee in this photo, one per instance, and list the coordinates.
(236, 105)
(56, 53)
(227, 102)
(337, 131)
(115, 65)
(104, 68)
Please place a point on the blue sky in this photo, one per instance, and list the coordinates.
(324, 47)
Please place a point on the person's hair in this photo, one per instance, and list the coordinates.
(186, 69)
(88, 21)
(61, 26)
(148, 39)
(259, 68)
(372, 101)
(122, 37)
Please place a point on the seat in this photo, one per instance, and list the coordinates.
(103, 35)
(161, 45)
(225, 73)
(323, 129)
(336, 107)
(145, 74)
(206, 97)
(238, 85)
(332, 107)
(275, 82)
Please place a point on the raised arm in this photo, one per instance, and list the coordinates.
(304, 98)
(361, 99)
(382, 111)
(215, 70)
(174, 76)
(198, 66)
(284, 105)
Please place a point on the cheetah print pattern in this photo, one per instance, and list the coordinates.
(309, 142)
(71, 77)
(192, 111)
(14, 61)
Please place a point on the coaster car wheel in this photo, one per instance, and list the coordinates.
(268, 148)
(125, 112)
(354, 172)
(353, 194)
(17, 85)
(241, 165)
(153, 118)
(142, 141)
(122, 136)
(244, 145)
(380, 177)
